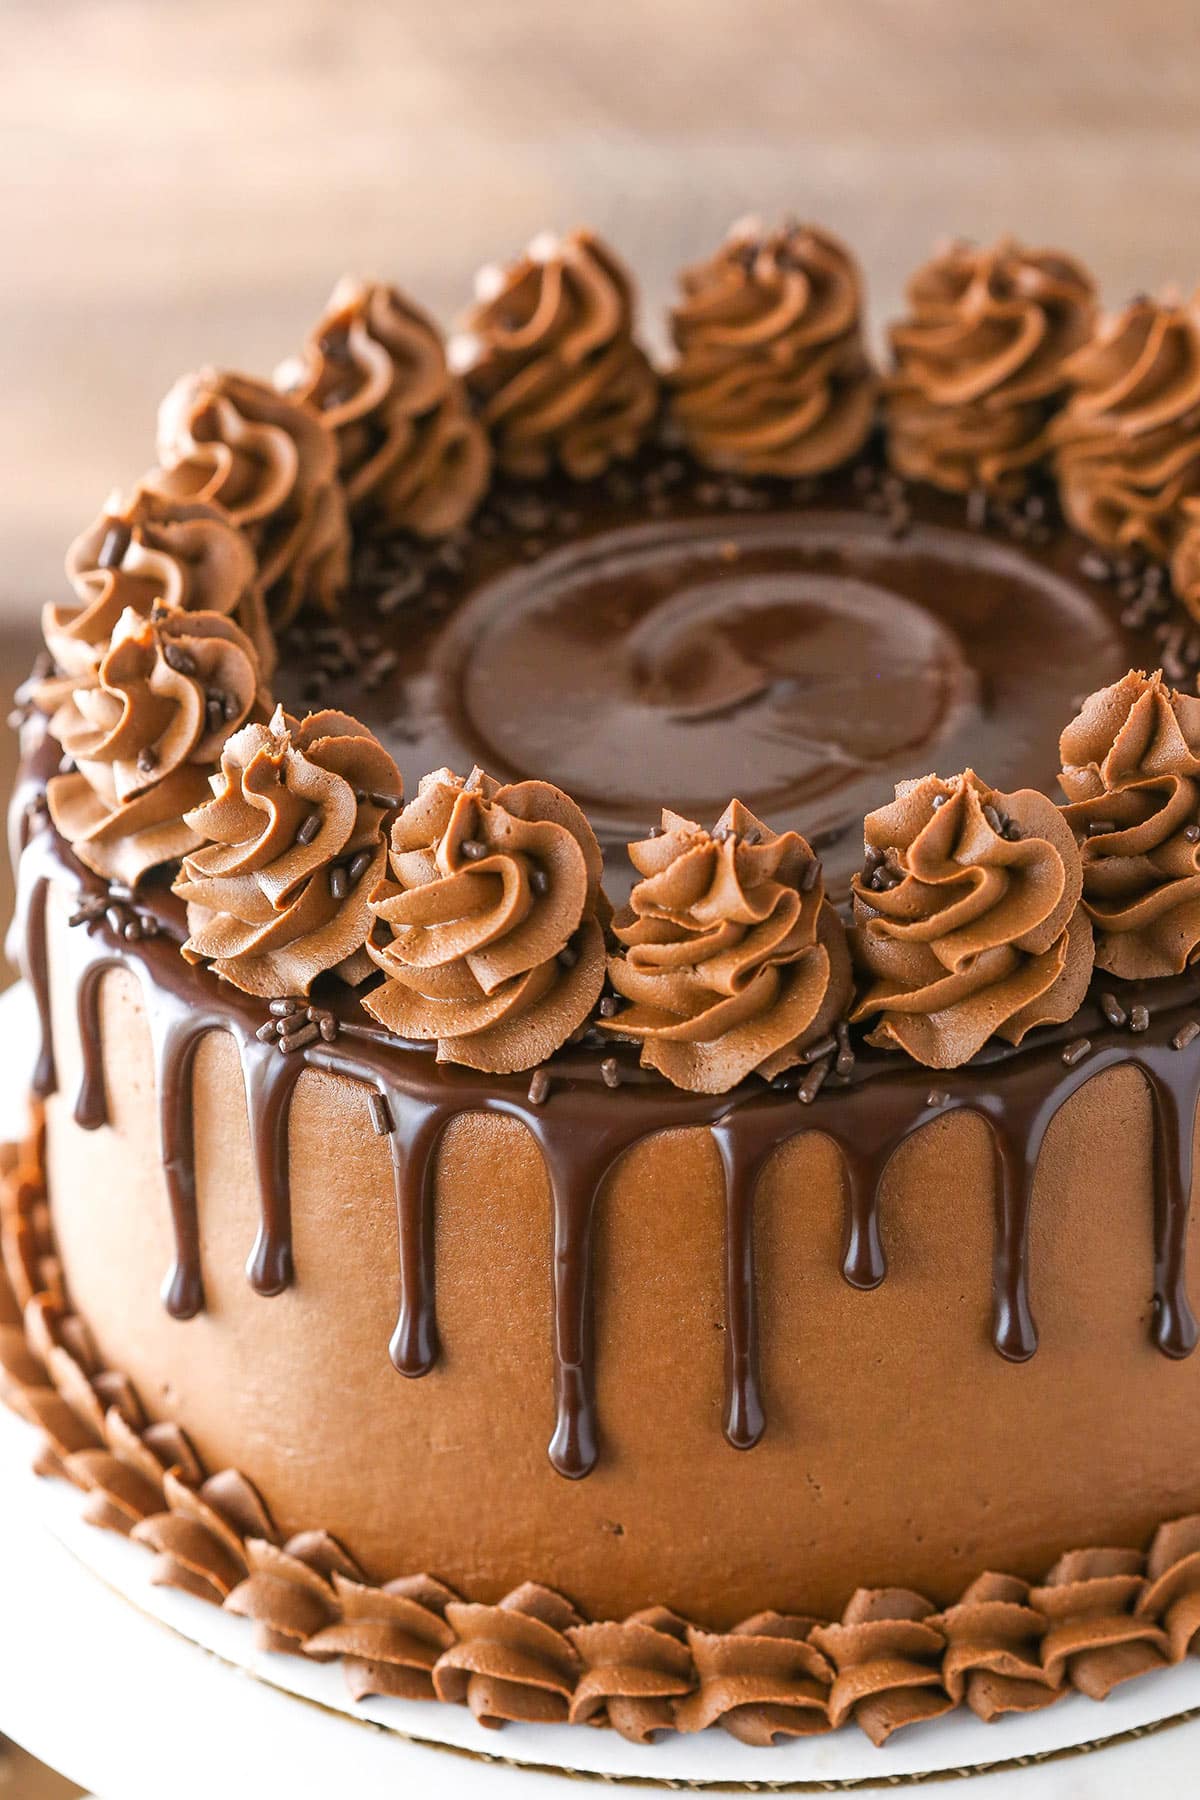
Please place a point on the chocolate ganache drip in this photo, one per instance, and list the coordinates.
(772, 377)
(149, 549)
(143, 733)
(291, 844)
(550, 359)
(271, 463)
(731, 959)
(968, 919)
(1131, 771)
(489, 930)
(981, 363)
(1127, 447)
(412, 456)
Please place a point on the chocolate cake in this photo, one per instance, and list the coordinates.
(619, 1040)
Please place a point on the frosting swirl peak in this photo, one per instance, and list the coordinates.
(143, 733)
(550, 357)
(1128, 444)
(490, 926)
(271, 463)
(1131, 771)
(145, 550)
(412, 456)
(289, 847)
(772, 376)
(982, 363)
(968, 919)
(731, 959)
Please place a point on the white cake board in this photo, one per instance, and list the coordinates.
(135, 1691)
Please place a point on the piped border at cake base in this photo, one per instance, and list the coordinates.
(1100, 1618)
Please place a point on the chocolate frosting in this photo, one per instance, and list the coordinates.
(763, 1681)
(633, 1673)
(550, 359)
(1127, 447)
(287, 850)
(1185, 558)
(1100, 1617)
(968, 919)
(489, 930)
(148, 549)
(271, 463)
(1131, 771)
(412, 456)
(887, 1651)
(981, 363)
(143, 732)
(513, 1660)
(731, 959)
(389, 1637)
(772, 377)
(993, 1650)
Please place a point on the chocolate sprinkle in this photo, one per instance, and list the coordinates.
(813, 1082)
(381, 1117)
(1139, 1018)
(117, 540)
(1113, 1011)
(539, 1086)
(1075, 1051)
(1187, 1034)
(610, 1072)
(309, 829)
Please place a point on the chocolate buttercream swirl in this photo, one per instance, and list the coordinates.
(1096, 1637)
(146, 550)
(289, 1591)
(772, 377)
(550, 358)
(981, 363)
(271, 463)
(1185, 558)
(968, 919)
(762, 1681)
(412, 456)
(1131, 772)
(1127, 447)
(144, 733)
(490, 928)
(288, 847)
(389, 1637)
(993, 1650)
(731, 959)
(633, 1673)
(199, 1541)
(1171, 1596)
(514, 1660)
(887, 1651)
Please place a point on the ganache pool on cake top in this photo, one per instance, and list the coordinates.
(880, 1079)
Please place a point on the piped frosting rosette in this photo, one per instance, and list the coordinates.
(772, 377)
(145, 550)
(1127, 448)
(549, 355)
(143, 734)
(412, 455)
(1131, 772)
(271, 463)
(289, 846)
(489, 928)
(968, 921)
(731, 961)
(981, 363)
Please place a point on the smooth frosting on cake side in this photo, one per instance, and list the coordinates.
(614, 954)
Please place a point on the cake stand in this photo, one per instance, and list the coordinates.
(133, 1690)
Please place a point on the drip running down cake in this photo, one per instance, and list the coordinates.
(619, 1044)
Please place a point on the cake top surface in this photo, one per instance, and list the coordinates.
(572, 590)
